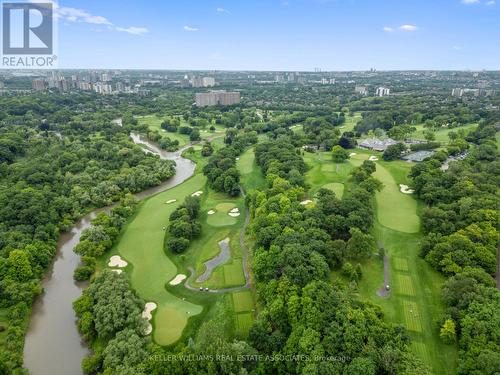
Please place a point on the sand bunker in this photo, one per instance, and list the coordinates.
(352, 154)
(117, 271)
(211, 212)
(177, 279)
(405, 189)
(234, 212)
(117, 261)
(148, 308)
(197, 193)
(307, 201)
(148, 329)
(171, 201)
(373, 158)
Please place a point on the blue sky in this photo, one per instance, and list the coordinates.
(280, 34)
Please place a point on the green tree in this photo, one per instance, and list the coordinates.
(448, 332)
(339, 154)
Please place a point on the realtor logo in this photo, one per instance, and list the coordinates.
(27, 28)
(28, 35)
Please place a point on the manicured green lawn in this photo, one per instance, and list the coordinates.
(351, 121)
(141, 244)
(336, 187)
(243, 301)
(441, 134)
(401, 216)
(251, 173)
(324, 173)
(414, 301)
(243, 305)
(150, 267)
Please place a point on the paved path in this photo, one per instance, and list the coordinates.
(383, 292)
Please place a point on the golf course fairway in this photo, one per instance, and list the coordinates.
(142, 246)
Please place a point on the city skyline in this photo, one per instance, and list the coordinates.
(294, 35)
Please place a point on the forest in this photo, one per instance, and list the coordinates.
(315, 252)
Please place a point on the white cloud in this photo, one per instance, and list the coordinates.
(132, 30)
(80, 15)
(222, 10)
(388, 29)
(74, 15)
(189, 28)
(491, 2)
(456, 48)
(467, 2)
(408, 27)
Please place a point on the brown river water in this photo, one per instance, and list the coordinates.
(53, 345)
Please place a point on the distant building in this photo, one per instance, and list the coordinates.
(211, 98)
(38, 84)
(418, 156)
(64, 85)
(105, 77)
(208, 81)
(377, 144)
(457, 92)
(361, 90)
(120, 87)
(85, 86)
(103, 88)
(382, 91)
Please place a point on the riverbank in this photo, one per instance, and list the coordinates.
(52, 324)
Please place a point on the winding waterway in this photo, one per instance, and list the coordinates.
(53, 345)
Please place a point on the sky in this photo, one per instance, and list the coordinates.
(301, 35)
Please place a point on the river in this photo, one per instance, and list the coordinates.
(53, 345)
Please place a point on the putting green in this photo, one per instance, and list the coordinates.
(336, 187)
(142, 245)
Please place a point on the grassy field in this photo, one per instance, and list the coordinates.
(414, 301)
(441, 134)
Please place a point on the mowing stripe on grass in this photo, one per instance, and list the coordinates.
(233, 274)
(243, 323)
(405, 285)
(412, 316)
(242, 301)
(401, 264)
(420, 349)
